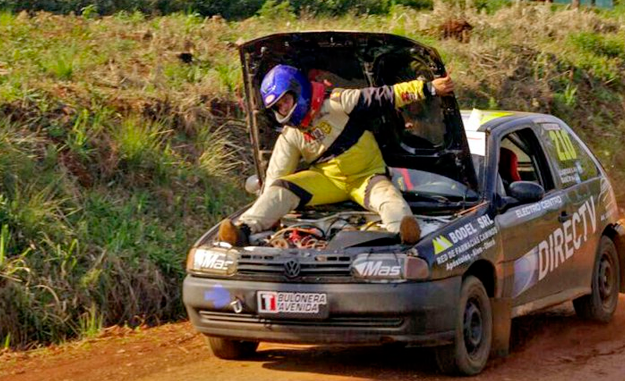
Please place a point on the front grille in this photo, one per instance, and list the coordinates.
(311, 266)
(353, 322)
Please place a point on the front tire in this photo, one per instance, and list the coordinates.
(228, 349)
(474, 329)
(600, 305)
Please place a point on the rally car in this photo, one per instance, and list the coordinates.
(516, 215)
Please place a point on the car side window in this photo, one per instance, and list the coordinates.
(521, 158)
(572, 162)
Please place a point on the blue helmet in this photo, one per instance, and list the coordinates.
(280, 80)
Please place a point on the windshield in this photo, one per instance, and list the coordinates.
(413, 182)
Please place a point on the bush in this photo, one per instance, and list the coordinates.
(341, 7)
(602, 55)
(229, 9)
(417, 4)
(273, 10)
(226, 8)
(589, 42)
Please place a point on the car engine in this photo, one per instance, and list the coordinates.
(334, 230)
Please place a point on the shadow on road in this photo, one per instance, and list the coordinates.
(371, 362)
(557, 332)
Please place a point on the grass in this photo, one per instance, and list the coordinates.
(115, 155)
(61, 64)
(90, 323)
(6, 342)
(138, 142)
(218, 156)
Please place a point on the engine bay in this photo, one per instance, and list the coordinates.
(329, 230)
(315, 230)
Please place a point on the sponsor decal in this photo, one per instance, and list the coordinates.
(441, 244)
(525, 272)
(557, 248)
(272, 302)
(270, 98)
(607, 198)
(466, 257)
(468, 249)
(212, 260)
(380, 267)
(462, 232)
(324, 127)
(564, 146)
(484, 221)
(539, 206)
(318, 132)
(569, 175)
(548, 126)
(408, 96)
(477, 142)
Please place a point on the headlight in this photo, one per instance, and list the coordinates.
(416, 268)
(211, 261)
(390, 267)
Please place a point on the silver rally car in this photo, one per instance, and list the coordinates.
(516, 215)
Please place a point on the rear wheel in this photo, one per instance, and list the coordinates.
(228, 349)
(601, 303)
(474, 325)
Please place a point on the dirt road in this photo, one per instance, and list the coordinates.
(554, 345)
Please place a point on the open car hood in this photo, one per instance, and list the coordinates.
(426, 136)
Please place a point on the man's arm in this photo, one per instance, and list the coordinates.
(373, 99)
(283, 161)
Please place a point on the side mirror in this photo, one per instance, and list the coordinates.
(252, 185)
(526, 191)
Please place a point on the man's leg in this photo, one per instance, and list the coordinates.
(275, 202)
(285, 194)
(379, 195)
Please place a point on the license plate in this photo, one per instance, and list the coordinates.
(305, 305)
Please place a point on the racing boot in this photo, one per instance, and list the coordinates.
(409, 230)
(233, 234)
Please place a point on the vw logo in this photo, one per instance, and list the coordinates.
(292, 268)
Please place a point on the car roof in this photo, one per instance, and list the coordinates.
(477, 122)
(481, 120)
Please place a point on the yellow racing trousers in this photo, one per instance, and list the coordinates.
(358, 174)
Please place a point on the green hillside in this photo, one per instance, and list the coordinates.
(117, 151)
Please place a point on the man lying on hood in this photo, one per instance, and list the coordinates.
(327, 131)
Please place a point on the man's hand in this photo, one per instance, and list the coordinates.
(443, 86)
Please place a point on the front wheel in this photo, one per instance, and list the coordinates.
(601, 303)
(474, 329)
(228, 349)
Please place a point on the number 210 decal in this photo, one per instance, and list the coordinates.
(563, 143)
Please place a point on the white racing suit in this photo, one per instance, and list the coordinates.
(346, 162)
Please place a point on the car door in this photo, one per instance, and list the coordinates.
(527, 229)
(578, 176)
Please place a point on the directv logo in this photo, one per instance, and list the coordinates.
(441, 244)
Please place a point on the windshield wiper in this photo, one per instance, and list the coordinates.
(439, 200)
(428, 197)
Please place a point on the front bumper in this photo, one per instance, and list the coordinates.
(418, 313)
